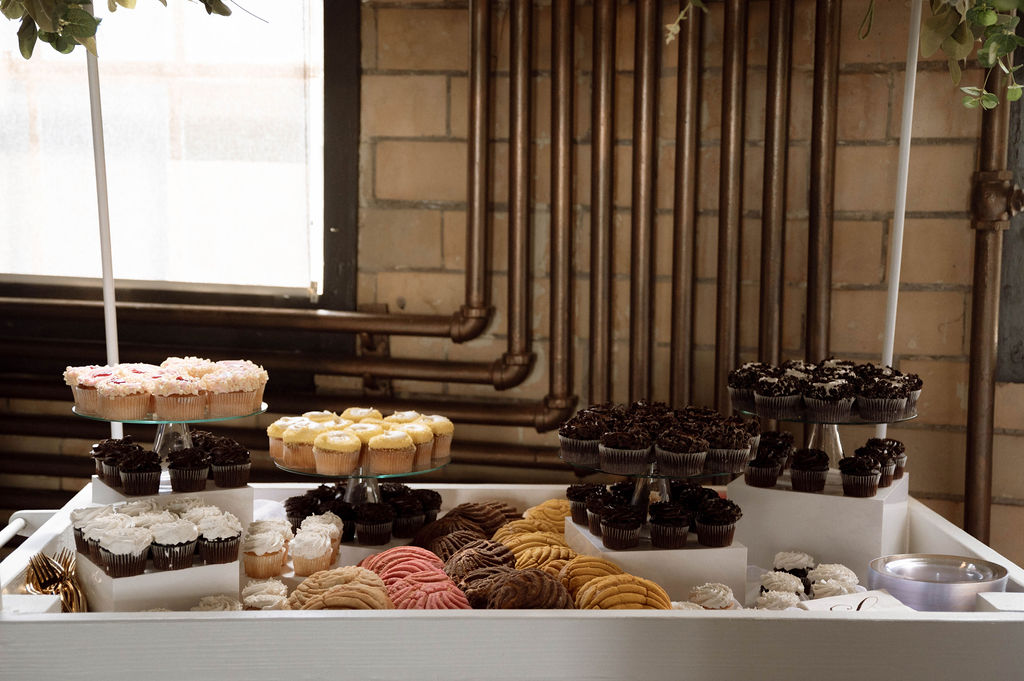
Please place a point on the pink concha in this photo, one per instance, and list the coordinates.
(400, 570)
(380, 561)
(428, 590)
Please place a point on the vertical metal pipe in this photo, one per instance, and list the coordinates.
(730, 198)
(684, 210)
(479, 156)
(561, 269)
(773, 203)
(822, 181)
(602, 163)
(981, 386)
(519, 218)
(641, 281)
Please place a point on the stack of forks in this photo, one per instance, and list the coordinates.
(46, 575)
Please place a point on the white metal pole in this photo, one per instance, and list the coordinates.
(899, 212)
(99, 159)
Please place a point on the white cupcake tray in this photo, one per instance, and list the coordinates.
(510, 645)
(829, 526)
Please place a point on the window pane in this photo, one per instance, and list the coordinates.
(214, 139)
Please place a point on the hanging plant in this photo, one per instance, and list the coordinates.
(65, 24)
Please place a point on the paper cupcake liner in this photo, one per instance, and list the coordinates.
(188, 479)
(80, 544)
(125, 407)
(390, 461)
(887, 475)
(256, 398)
(87, 400)
(405, 527)
(217, 551)
(912, 400)
(122, 565)
(238, 403)
(668, 536)
(335, 463)
(762, 476)
(742, 399)
(777, 407)
(726, 460)
(807, 481)
(442, 447)
(299, 456)
(828, 411)
(579, 512)
(424, 455)
(179, 407)
(679, 464)
(138, 483)
(276, 447)
(111, 475)
(901, 467)
(304, 567)
(93, 548)
(860, 485)
(231, 475)
(262, 566)
(618, 539)
(348, 527)
(594, 523)
(624, 461)
(716, 536)
(173, 556)
(880, 408)
(582, 452)
(373, 534)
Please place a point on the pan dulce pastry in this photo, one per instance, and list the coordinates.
(620, 592)
(488, 517)
(444, 525)
(528, 589)
(378, 562)
(713, 596)
(429, 590)
(478, 584)
(319, 582)
(478, 554)
(582, 569)
(521, 542)
(552, 512)
(352, 596)
(541, 556)
(523, 526)
(400, 570)
(447, 545)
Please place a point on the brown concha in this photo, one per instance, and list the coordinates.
(352, 596)
(449, 544)
(478, 584)
(478, 554)
(539, 556)
(622, 592)
(530, 589)
(488, 516)
(320, 582)
(442, 526)
(582, 569)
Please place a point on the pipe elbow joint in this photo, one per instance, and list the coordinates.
(469, 322)
(556, 409)
(512, 369)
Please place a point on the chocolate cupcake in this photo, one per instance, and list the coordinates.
(577, 496)
(390, 490)
(679, 453)
(595, 503)
(298, 508)
(914, 384)
(728, 449)
(715, 522)
(579, 436)
(895, 448)
(174, 544)
(809, 470)
(189, 468)
(123, 551)
(829, 401)
(740, 383)
(777, 444)
(625, 452)
(347, 513)
(694, 498)
(231, 463)
(140, 472)
(431, 502)
(374, 523)
(620, 527)
(884, 459)
(860, 475)
(777, 397)
(219, 538)
(882, 399)
(409, 516)
(762, 471)
(669, 525)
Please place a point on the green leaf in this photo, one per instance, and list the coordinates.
(64, 44)
(989, 101)
(1013, 93)
(971, 90)
(27, 37)
(954, 71)
(89, 44)
(960, 43)
(216, 7)
(1007, 5)
(937, 28)
(127, 4)
(44, 12)
(79, 23)
(971, 102)
(47, 37)
(12, 9)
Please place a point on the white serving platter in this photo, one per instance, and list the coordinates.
(515, 644)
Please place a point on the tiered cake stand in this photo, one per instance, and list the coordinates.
(651, 479)
(173, 435)
(363, 483)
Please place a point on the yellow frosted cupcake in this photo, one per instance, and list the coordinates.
(298, 444)
(403, 417)
(443, 430)
(364, 431)
(423, 437)
(336, 452)
(274, 433)
(357, 414)
(390, 453)
(324, 416)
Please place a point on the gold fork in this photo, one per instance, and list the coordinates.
(44, 574)
(72, 596)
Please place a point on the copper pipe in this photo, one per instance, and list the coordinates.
(981, 386)
(520, 221)
(684, 210)
(602, 164)
(730, 198)
(477, 234)
(641, 280)
(561, 269)
(773, 204)
(822, 181)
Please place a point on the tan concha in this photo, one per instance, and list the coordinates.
(519, 527)
(521, 542)
(552, 512)
(583, 569)
(320, 582)
(622, 592)
(352, 596)
(539, 556)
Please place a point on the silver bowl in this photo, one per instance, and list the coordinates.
(928, 581)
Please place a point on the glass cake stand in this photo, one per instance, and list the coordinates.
(172, 435)
(649, 479)
(363, 484)
(824, 433)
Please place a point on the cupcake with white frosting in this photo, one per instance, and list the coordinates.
(265, 594)
(174, 544)
(219, 538)
(218, 603)
(311, 552)
(826, 588)
(234, 389)
(262, 554)
(123, 550)
(714, 596)
(777, 600)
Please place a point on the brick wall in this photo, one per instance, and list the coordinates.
(412, 214)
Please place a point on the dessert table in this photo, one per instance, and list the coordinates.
(513, 644)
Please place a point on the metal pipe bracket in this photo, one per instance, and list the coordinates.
(995, 198)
